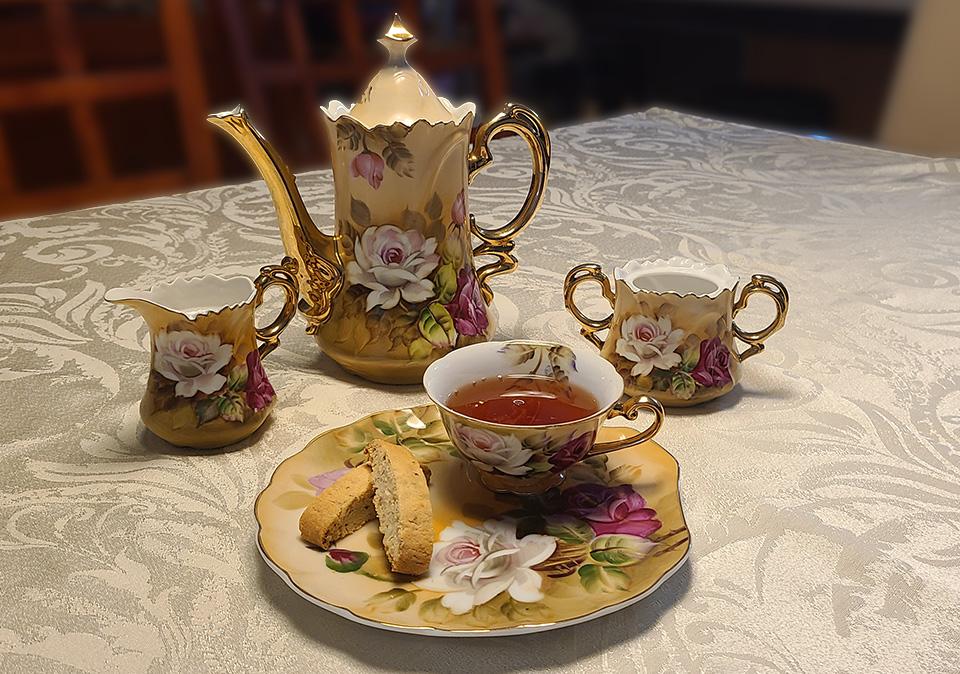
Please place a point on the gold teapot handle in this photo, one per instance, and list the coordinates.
(582, 274)
(285, 276)
(498, 241)
(772, 288)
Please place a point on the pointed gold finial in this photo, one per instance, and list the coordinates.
(398, 31)
(396, 41)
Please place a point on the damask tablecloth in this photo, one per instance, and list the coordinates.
(823, 495)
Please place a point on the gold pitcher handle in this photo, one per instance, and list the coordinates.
(285, 276)
(498, 241)
(772, 288)
(582, 274)
(631, 410)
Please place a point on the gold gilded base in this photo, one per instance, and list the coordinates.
(181, 429)
(381, 371)
(669, 400)
(524, 486)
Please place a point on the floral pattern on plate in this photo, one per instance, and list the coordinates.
(501, 564)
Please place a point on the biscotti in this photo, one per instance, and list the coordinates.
(402, 502)
(340, 509)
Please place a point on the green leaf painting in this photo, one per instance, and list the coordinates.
(569, 529)
(360, 212)
(619, 550)
(595, 578)
(436, 325)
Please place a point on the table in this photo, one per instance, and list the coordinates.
(823, 495)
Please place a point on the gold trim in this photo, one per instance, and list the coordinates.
(285, 276)
(419, 411)
(772, 288)
(321, 270)
(498, 241)
(397, 31)
(581, 274)
(630, 411)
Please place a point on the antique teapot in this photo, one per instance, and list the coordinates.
(395, 287)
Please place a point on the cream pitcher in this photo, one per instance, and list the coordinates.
(396, 287)
(207, 386)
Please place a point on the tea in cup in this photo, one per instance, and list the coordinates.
(523, 412)
(672, 330)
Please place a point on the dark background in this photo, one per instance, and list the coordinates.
(104, 100)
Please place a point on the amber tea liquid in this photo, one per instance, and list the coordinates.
(523, 400)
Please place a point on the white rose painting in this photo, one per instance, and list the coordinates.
(485, 449)
(393, 264)
(472, 565)
(192, 360)
(649, 343)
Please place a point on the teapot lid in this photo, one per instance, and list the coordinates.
(398, 93)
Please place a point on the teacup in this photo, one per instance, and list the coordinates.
(525, 459)
(671, 332)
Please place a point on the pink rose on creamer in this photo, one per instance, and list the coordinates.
(468, 310)
(259, 391)
(713, 368)
(611, 510)
(368, 165)
(458, 212)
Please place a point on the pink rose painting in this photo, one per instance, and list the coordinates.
(258, 389)
(713, 368)
(368, 165)
(611, 510)
(458, 212)
(571, 451)
(467, 308)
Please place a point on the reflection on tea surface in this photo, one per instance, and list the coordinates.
(523, 400)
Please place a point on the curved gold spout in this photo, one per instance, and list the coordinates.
(321, 275)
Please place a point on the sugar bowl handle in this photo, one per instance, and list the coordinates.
(582, 274)
(285, 276)
(631, 410)
(772, 288)
(498, 241)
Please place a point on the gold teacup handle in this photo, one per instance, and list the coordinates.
(771, 287)
(631, 410)
(285, 276)
(582, 274)
(498, 241)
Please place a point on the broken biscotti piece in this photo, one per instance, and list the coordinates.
(402, 502)
(341, 508)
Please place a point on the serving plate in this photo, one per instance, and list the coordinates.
(611, 534)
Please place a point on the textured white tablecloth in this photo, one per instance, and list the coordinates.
(823, 496)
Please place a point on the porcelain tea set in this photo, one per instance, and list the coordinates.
(395, 294)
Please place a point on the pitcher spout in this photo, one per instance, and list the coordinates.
(127, 297)
(320, 269)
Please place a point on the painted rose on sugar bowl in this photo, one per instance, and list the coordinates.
(672, 330)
